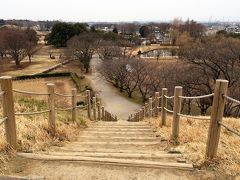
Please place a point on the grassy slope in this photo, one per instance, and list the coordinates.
(193, 138)
(32, 131)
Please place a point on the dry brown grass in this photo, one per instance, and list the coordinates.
(193, 137)
(32, 131)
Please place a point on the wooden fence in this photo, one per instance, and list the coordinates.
(153, 109)
(94, 110)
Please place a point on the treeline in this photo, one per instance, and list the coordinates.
(17, 43)
(201, 62)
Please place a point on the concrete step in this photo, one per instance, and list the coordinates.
(110, 161)
(138, 143)
(162, 155)
(96, 133)
(107, 150)
(120, 129)
(122, 124)
(123, 146)
(117, 138)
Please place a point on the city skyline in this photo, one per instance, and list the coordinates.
(113, 11)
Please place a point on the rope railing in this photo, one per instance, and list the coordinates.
(82, 107)
(169, 97)
(231, 99)
(9, 112)
(229, 129)
(64, 109)
(63, 95)
(2, 120)
(32, 113)
(1, 93)
(80, 96)
(197, 97)
(30, 93)
(193, 117)
(168, 110)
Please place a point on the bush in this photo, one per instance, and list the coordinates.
(43, 75)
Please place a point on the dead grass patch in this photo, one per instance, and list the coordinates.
(32, 131)
(193, 138)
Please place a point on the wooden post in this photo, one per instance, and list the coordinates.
(74, 104)
(156, 104)
(99, 110)
(8, 111)
(146, 109)
(94, 108)
(144, 112)
(89, 103)
(138, 116)
(216, 115)
(103, 113)
(116, 118)
(163, 106)
(176, 110)
(106, 116)
(51, 106)
(150, 107)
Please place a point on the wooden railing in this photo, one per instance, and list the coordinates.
(152, 109)
(94, 110)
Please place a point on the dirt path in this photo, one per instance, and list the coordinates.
(111, 98)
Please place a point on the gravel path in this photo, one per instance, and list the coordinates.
(111, 98)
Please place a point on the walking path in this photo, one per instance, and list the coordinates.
(110, 150)
(113, 101)
(119, 150)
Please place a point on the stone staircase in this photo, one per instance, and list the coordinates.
(122, 143)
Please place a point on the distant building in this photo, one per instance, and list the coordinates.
(233, 29)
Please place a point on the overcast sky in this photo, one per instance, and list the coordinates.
(121, 10)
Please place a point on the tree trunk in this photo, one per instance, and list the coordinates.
(17, 62)
(130, 94)
(29, 58)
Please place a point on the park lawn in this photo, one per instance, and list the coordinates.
(40, 62)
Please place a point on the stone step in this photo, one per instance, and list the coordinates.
(110, 161)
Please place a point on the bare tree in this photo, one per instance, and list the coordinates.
(108, 50)
(31, 42)
(214, 58)
(16, 44)
(83, 46)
